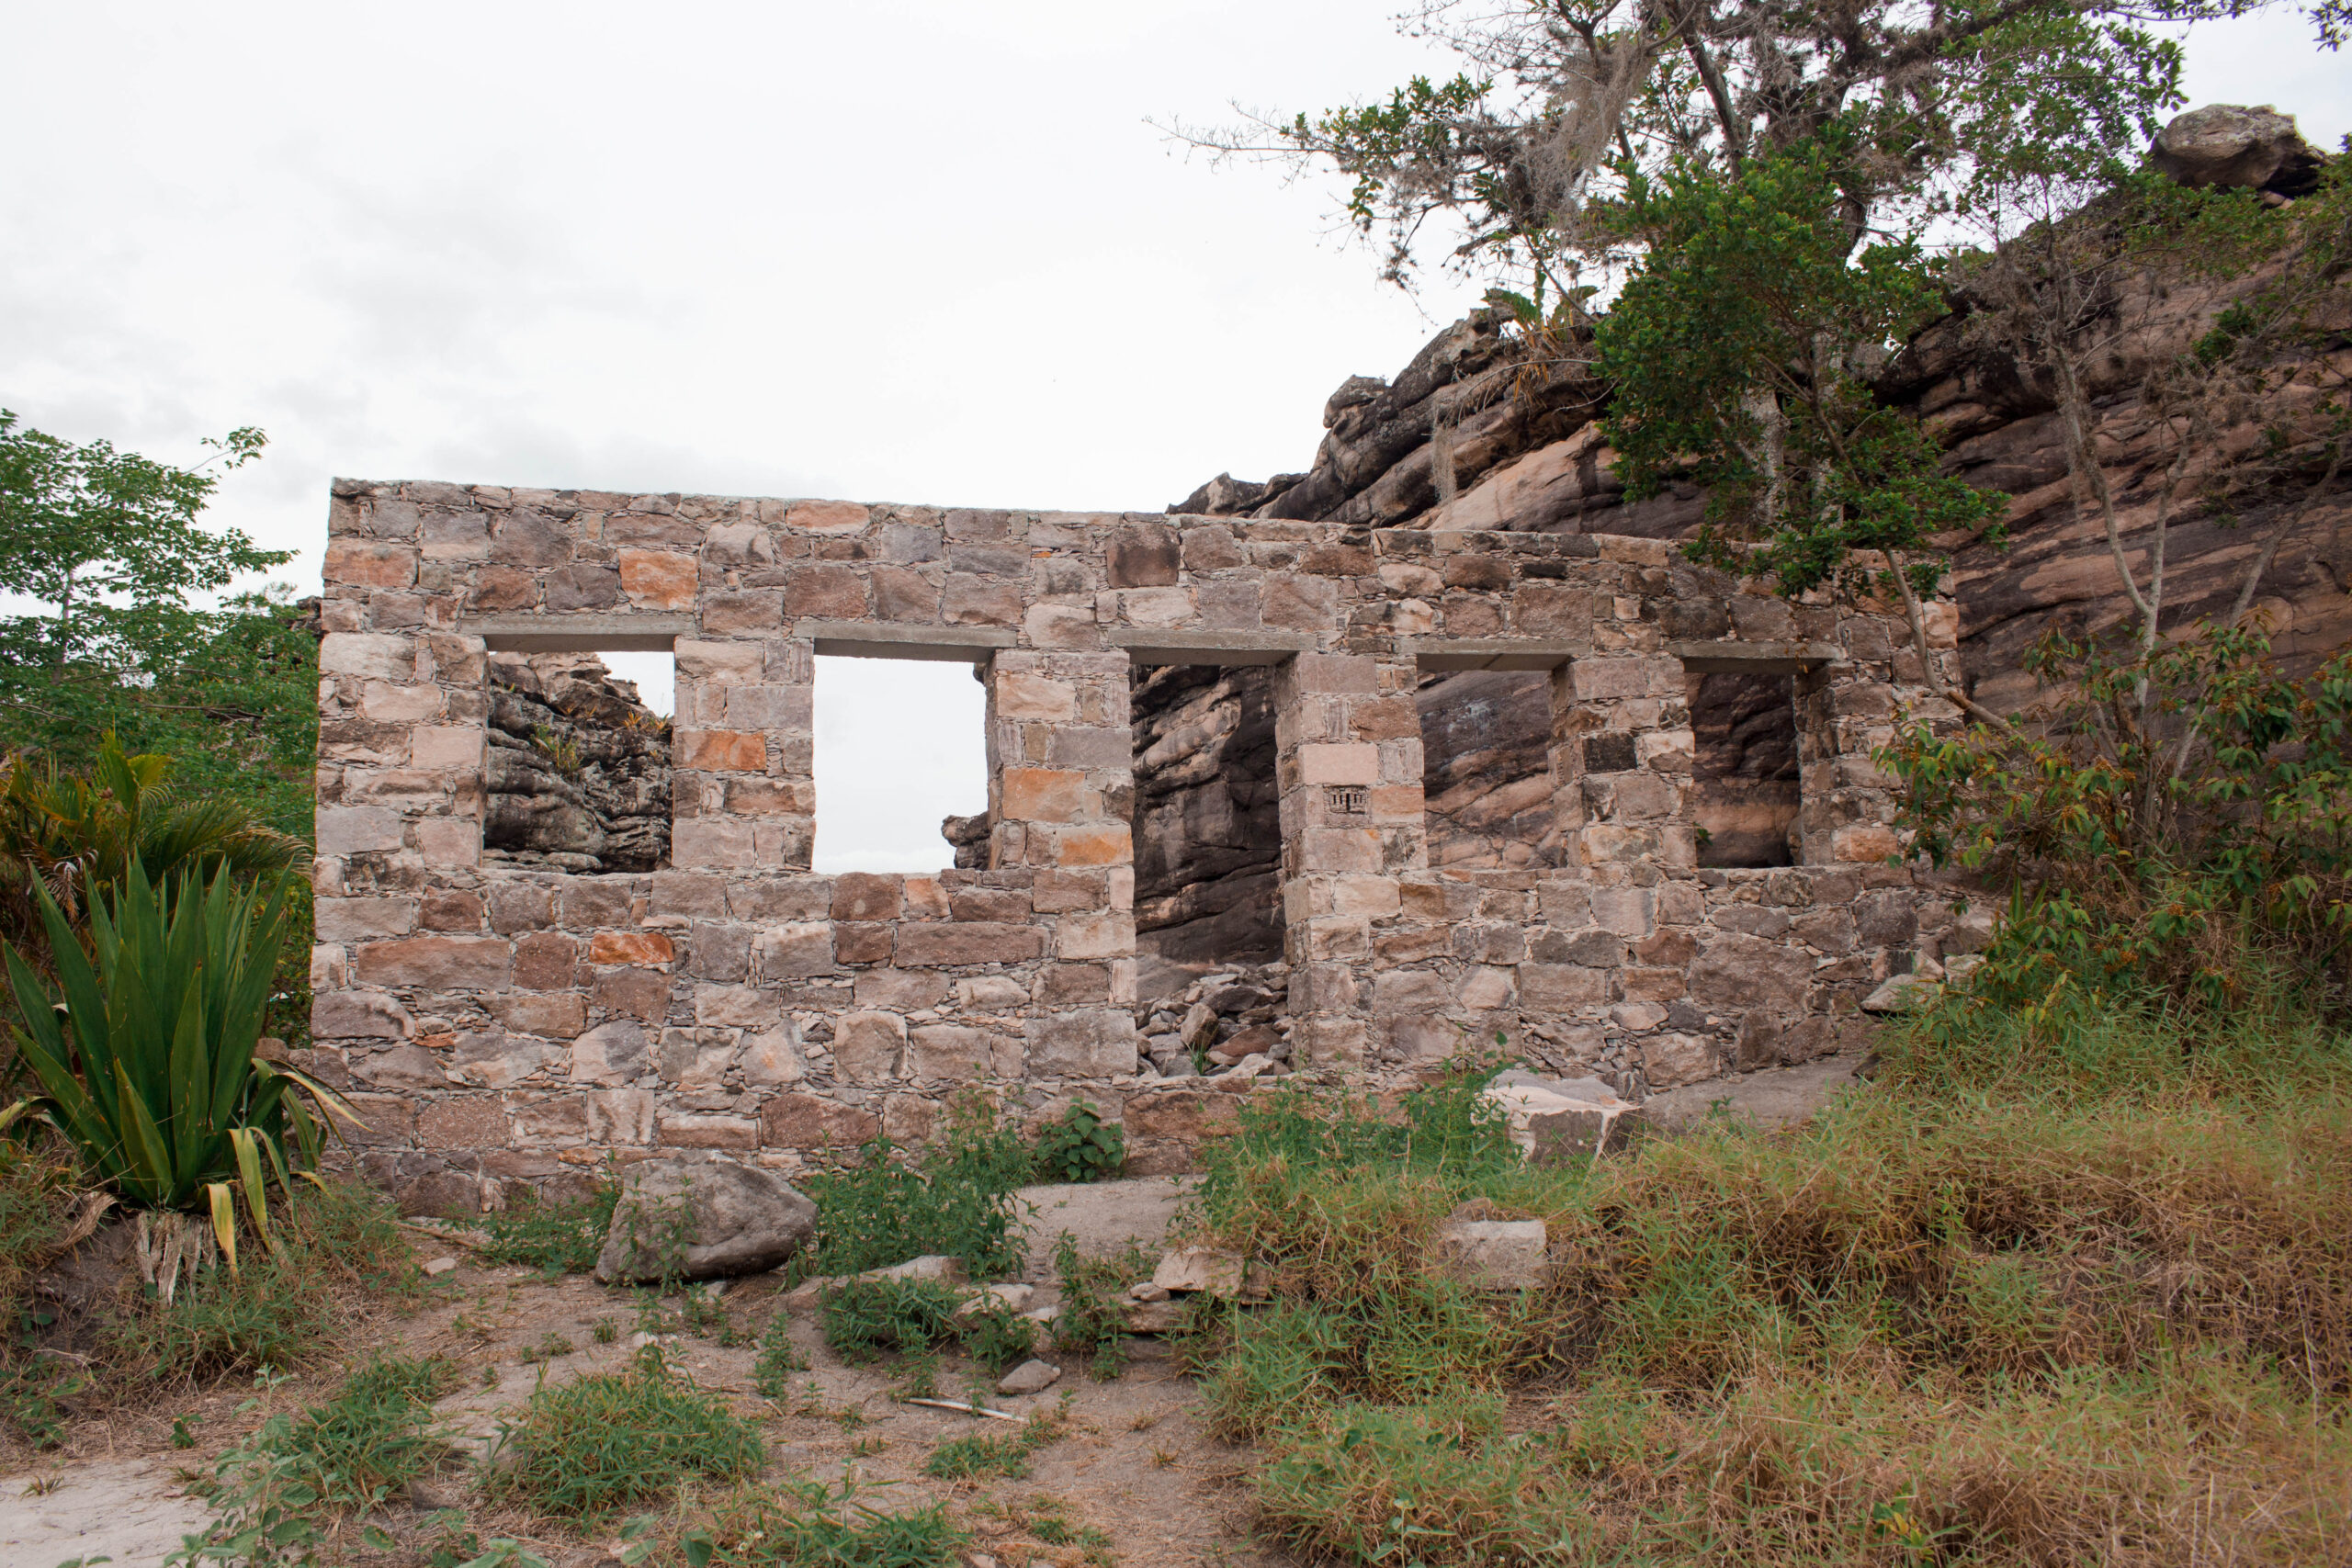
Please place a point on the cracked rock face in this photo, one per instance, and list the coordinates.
(579, 768)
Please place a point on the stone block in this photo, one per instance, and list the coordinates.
(812, 1121)
(557, 1016)
(372, 655)
(862, 895)
(470, 1121)
(359, 1015)
(370, 563)
(659, 580)
(1091, 1044)
(825, 593)
(360, 919)
(1669, 1061)
(1735, 970)
(1148, 555)
(438, 963)
(720, 751)
(1024, 697)
(1110, 934)
(867, 1046)
(1494, 1255)
(796, 952)
(1043, 794)
(642, 994)
(1545, 987)
(644, 948)
(773, 1056)
(979, 942)
(949, 1051)
(1112, 845)
(1186, 1115)
(862, 941)
(357, 829)
(545, 961)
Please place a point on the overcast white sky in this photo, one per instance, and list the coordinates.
(908, 251)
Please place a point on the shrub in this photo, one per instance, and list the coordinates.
(151, 1070)
(1078, 1145)
(1373, 1486)
(779, 1358)
(979, 1453)
(1091, 1321)
(863, 1318)
(995, 1336)
(553, 1237)
(598, 1444)
(2181, 821)
(955, 1201)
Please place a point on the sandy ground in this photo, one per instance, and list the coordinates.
(1134, 1462)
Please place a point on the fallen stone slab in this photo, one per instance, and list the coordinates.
(1154, 1317)
(702, 1220)
(1011, 1298)
(1495, 1255)
(1200, 1269)
(930, 1266)
(1775, 1097)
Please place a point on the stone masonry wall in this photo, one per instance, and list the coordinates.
(501, 1024)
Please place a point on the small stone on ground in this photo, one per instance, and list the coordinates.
(1029, 1377)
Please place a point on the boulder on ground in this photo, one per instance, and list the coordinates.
(1029, 1377)
(686, 1219)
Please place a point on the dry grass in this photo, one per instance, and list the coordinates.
(1938, 1324)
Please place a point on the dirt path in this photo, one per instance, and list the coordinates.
(1134, 1463)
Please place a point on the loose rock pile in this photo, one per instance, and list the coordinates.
(579, 768)
(1233, 1023)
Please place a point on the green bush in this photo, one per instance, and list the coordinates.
(591, 1446)
(1078, 1145)
(954, 1199)
(1092, 1322)
(553, 1237)
(864, 1318)
(2198, 842)
(149, 1065)
(995, 1336)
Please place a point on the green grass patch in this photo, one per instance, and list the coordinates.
(591, 1446)
(862, 1319)
(558, 1237)
(777, 1360)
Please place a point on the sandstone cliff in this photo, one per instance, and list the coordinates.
(579, 768)
(1466, 436)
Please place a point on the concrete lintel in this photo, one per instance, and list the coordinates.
(883, 639)
(525, 632)
(1146, 646)
(1754, 658)
(1447, 653)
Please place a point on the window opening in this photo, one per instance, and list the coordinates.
(1486, 782)
(577, 774)
(902, 765)
(1743, 768)
(1208, 845)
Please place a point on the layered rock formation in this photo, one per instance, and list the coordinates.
(1467, 436)
(579, 768)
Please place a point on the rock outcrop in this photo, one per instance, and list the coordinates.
(1467, 436)
(579, 768)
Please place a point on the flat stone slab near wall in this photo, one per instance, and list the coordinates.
(501, 1024)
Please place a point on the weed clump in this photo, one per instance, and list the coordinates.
(864, 1318)
(955, 1201)
(588, 1448)
(558, 1237)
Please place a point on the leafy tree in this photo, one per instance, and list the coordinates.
(1737, 353)
(108, 547)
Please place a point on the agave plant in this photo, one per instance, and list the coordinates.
(147, 1062)
(75, 838)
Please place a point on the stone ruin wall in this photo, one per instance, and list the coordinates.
(498, 1022)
